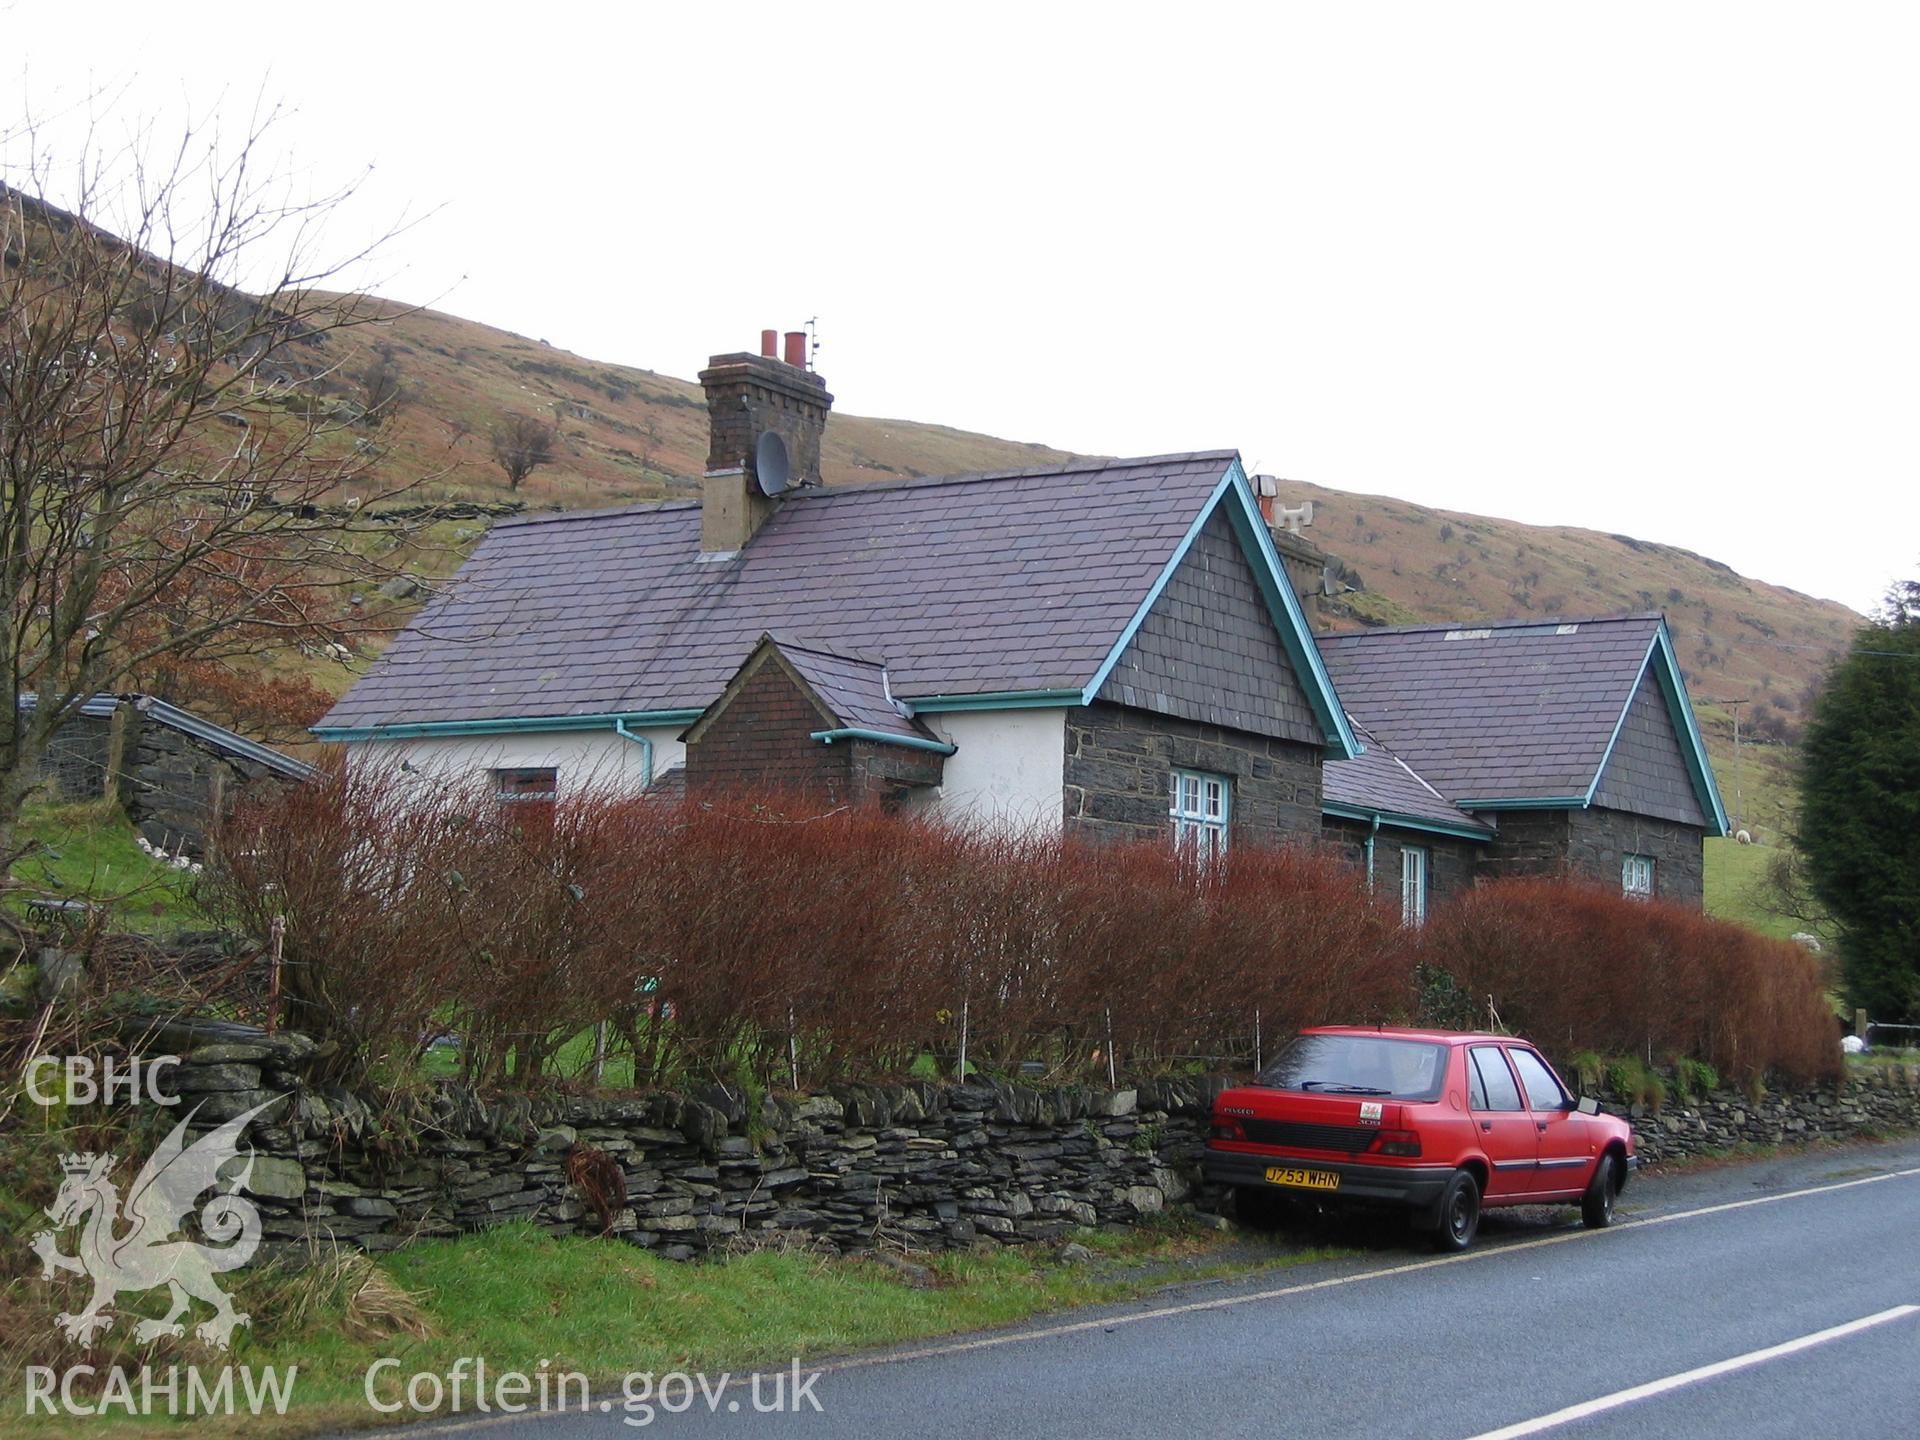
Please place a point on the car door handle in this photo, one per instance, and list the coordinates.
(1541, 1126)
(1487, 1125)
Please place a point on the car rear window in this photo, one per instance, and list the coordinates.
(1359, 1065)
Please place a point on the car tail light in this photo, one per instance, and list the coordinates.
(1228, 1129)
(1397, 1142)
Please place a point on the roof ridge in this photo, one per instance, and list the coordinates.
(1081, 466)
(1517, 622)
(604, 512)
(1084, 466)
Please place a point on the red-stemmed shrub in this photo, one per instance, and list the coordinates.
(750, 936)
(1578, 967)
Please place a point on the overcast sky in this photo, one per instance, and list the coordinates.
(1646, 268)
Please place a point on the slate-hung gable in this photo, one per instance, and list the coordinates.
(1110, 646)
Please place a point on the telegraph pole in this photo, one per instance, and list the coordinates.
(1739, 804)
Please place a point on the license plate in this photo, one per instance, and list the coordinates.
(1303, 1179)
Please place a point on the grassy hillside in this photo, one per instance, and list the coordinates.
(625, 434)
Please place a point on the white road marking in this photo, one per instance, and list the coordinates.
(1227, 1302)
(1619, 1398)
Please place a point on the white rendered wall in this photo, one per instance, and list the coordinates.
(583, 759)
(1007, 767)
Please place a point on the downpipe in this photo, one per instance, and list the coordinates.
(646, 764)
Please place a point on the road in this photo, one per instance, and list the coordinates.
(1794, 1284)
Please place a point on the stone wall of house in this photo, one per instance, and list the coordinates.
(1599, 840)
(1450, 862)
(1530, 842)
(1119, 761)
(887, 772)
(1594, 843)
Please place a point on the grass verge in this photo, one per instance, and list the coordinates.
(519, 1297)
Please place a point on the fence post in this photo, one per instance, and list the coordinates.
(1257, 1067)
(1113, 1071)
(793, 1050)
(962, 1075)
(599, 1052)
(278, 930)
(1860, 1025)
(116, 750)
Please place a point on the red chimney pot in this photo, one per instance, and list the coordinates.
(797, 349)
(770, 343)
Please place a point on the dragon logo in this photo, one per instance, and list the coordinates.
(148, 1255)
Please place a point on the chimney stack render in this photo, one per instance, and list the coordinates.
(748, 397)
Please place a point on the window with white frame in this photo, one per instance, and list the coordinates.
(527, 796)
(1201, 810)
(1636, 877)
(1413, 885)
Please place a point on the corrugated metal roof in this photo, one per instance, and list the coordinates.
(160, 712)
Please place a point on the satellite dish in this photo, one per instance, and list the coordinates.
(771, 472)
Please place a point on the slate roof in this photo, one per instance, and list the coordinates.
(967, 585)
(1512, 710)
(853, 687)
(1379, 781)
(669, 786)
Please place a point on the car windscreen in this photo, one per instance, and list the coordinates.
(1373, 1065)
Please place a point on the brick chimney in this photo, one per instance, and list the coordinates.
(750, 397)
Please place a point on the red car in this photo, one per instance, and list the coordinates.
(1435, 1124)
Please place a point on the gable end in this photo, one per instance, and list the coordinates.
(1646, 772)
(1207, 650)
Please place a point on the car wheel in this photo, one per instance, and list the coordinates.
(1459, 1213)
(1596, 1208)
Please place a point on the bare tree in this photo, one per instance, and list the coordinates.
(383, 386)
(173, 486)
(521, 445)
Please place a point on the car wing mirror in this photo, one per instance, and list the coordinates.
(1588, 1105)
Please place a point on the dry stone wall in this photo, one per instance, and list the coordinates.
(1876, 1100)
(855, 1167)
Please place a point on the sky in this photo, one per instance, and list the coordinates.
(1647, 268)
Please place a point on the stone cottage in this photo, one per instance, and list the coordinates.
(1117, 648)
